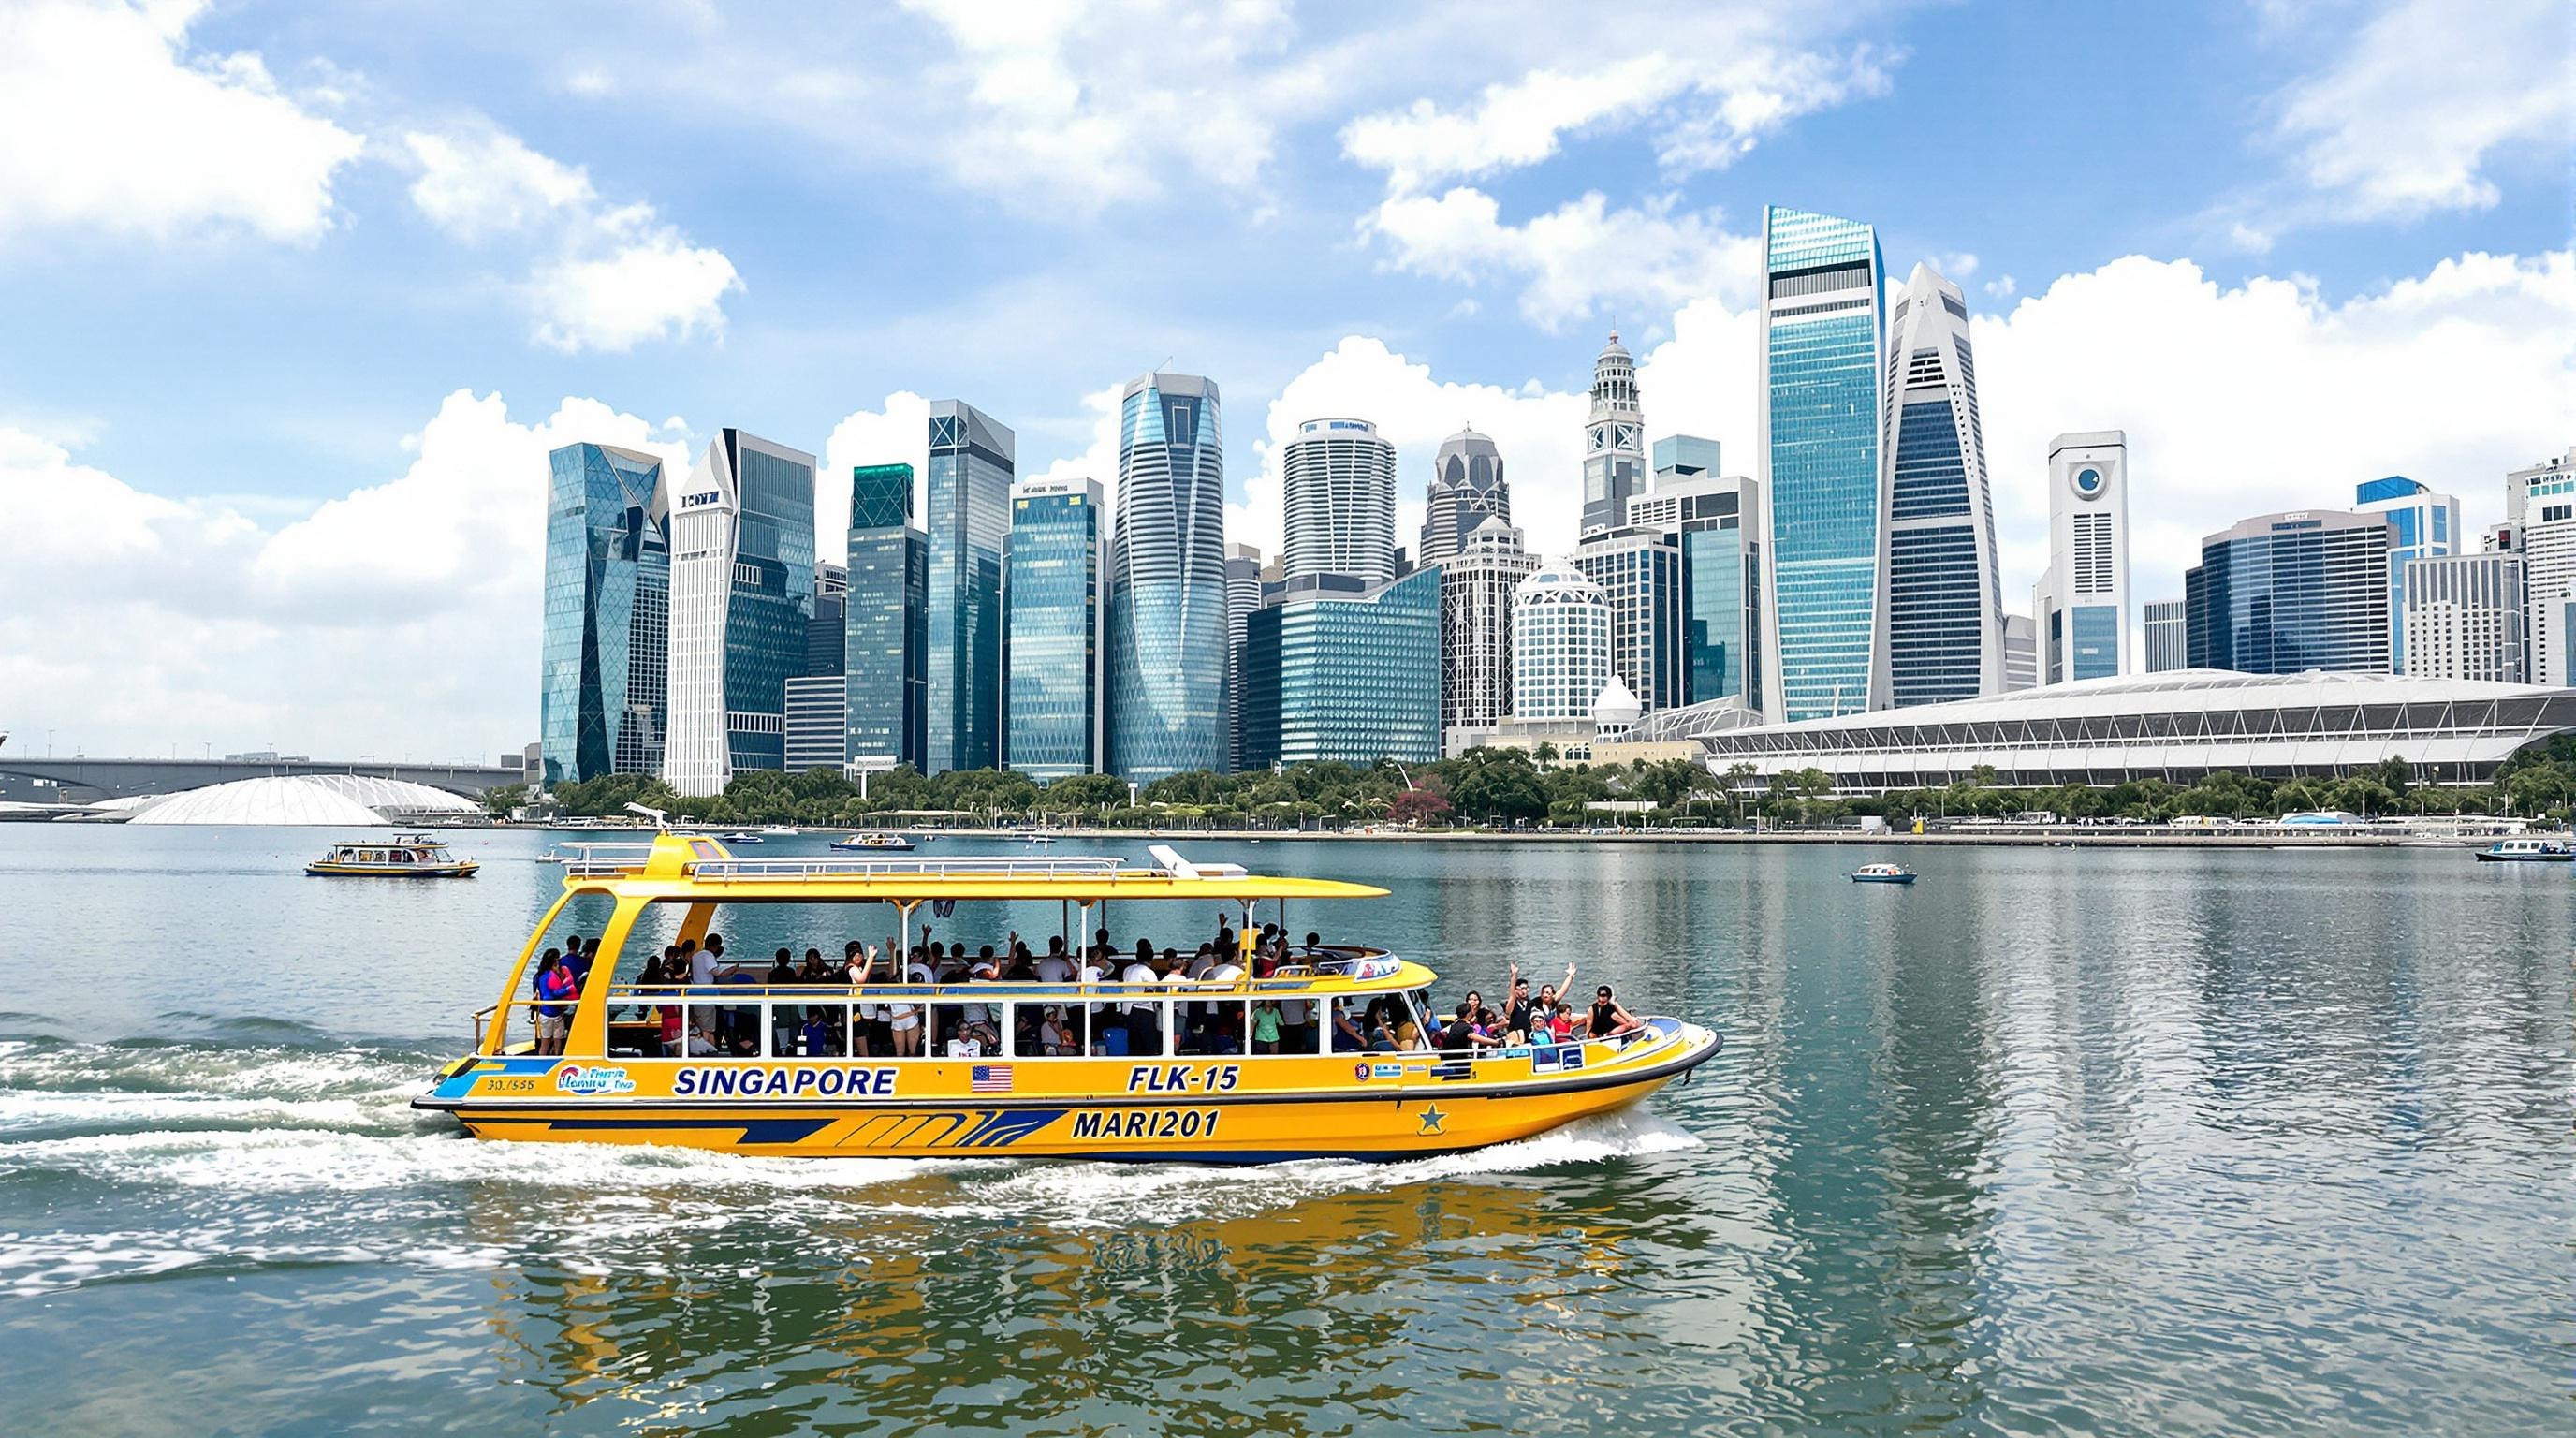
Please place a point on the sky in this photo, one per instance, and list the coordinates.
(294, 299)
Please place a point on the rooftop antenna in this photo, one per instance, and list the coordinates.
(660, 823)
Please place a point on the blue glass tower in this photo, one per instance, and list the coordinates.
(886, 620)
(1058, 555)
(2423, 525)
(601, 706)
(1821, 385)
(1333, 672)
(971, 464)
(1167, 606)
(742, 593)
(2286, 593)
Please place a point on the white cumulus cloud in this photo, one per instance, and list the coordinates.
(109, 120)
(1573, 261)
(402, 612)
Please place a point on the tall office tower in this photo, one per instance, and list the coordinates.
(2426, 524)
(1058, 567)
(1242, 596)
(1167, 585)
(969, 508)
(1476, 586)
(1716, 520)
(2168, 636)
(608, 590)
(1560, 645)
(2021, 653)
(2464, 615)
(1639, 569)
(817, 700)
(742, 589)
(1467, 488)
(1821, 367)
(888, 621)
(2284, 593)
(1338, 480)
(1944, 603)
(2540, 524)
(1336, 671)
(2081, 608)
(1614, 440)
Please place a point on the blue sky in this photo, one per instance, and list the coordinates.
(296, 292)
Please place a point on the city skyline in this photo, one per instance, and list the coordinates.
(454, 270)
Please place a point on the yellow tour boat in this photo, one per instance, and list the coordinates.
(405, 856)
(1148, 1068)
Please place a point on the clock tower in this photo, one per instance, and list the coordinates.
(1614, 440)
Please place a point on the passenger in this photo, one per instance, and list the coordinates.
(552, 983)
(1055, 968)
(812, 972)
(1314, 942)
(672, 1044)
(1224, 1033)
(903, 1021)
(1265, 1026)
(1054, 1040)
(816, 1039)
(1297, 1026)
(1381, 1037)
(858, 967)
(1608, 1020)
(1408, 1038)
(1560, 1022)
(784, 1019)
(1144, 1035)
(702, 1039)
(1347, 1038)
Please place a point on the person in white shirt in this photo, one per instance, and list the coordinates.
(1055, 968)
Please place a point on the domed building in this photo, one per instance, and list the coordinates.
(1560, 645)
(326, 800)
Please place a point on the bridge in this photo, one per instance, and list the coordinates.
(87, 781)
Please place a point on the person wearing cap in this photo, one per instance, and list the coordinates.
(1608, 1019)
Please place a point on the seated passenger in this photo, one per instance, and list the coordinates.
(1347, 1038)
(672, 1047)
(702, 1039)
(1055, 968)
(816, 1039)
(1408, 1039)
(1055, 1040)
(1560, 1023)
(1608, 1020)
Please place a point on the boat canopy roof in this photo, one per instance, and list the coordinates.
(697, 868)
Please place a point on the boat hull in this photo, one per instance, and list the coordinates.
(463, 869)
(1882, 878)
(1203, 1110)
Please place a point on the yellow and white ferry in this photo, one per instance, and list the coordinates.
(1148, 1067)
(405, 856)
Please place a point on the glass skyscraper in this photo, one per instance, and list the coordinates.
(1467, 488)
(1638, 568)
(1822, 369)
(1716, 520)
(971, 464)
(1167, 598)
(2423, 525)
(2286, 593)
(1944, 610)
(887, 620)
(608, 587)
(742, 592)
(1058, 554)
(1334, 672)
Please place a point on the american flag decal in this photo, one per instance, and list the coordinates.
(992, 1078)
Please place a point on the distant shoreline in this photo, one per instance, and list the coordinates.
(2029, 837)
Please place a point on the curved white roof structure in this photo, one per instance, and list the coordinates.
(336, 800)
(2177, 726)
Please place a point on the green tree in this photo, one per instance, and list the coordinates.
(500, 799)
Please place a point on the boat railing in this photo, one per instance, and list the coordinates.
(1068, 866)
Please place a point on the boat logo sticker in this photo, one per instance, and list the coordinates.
(597, 1079)
(1387, 1071)
(1360, 1072)
(1431, 1120)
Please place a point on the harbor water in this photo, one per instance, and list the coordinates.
(2054, 1141)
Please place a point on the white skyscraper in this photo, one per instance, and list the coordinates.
(1339, 482)
(1944, 619)
(2464, 616)
(1476, 588)
(1560, 645)
(2080, 609)
(742, 594)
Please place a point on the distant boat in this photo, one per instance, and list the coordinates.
(873, 841)
(2527, 851)
(1882, 874)
(405, 856)
(779, 829)
(743, 837)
